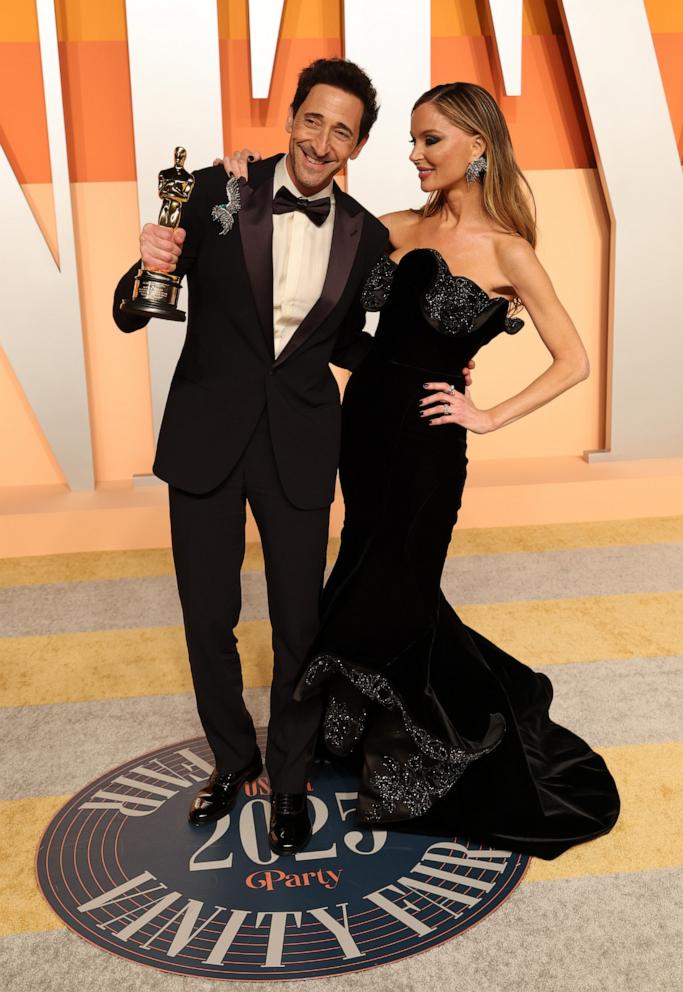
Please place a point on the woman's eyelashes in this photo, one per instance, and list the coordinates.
(430, 139)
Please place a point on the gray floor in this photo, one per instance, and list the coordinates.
(573, 935)
(604, 933)
(113, 604)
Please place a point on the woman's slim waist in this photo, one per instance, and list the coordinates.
(423, 373)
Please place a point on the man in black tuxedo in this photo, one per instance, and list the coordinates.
(275, 273)
(253, 414)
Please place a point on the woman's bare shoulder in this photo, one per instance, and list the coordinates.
(512, 247)
(521, 267)
(399, 224)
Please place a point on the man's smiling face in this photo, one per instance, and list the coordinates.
(323, 136)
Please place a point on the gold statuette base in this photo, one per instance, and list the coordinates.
(155, 294)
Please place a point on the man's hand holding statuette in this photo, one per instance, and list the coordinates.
(160, 247)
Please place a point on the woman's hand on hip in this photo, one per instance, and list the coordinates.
(445, 405)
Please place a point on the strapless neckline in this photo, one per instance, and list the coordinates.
(442, 261)
(453, 305)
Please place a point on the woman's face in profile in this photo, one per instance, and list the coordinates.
(441, 151)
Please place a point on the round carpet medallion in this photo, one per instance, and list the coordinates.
(122, 867)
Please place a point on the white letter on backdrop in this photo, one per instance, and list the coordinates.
(382, 177)
(176, 93)
(641, 175)
(507, 25)
(375, 35)
(265, 17)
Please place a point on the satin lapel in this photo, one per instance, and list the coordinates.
(256, 233)
(345, 241)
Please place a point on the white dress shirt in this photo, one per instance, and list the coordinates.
(301, 252)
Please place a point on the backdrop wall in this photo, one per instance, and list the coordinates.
(550, 133)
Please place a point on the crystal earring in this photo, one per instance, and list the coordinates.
(476, 170)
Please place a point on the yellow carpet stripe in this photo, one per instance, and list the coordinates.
(649, 832)
(648, 835)
(115, 664)
(89, 566)
(85, 567)
(22, 907)
(585, 628)
(560, 537)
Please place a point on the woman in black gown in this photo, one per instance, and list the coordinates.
(453, 734)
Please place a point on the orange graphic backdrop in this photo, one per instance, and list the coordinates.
(546, 122)
(549, 132)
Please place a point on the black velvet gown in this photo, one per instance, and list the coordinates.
(453, 734)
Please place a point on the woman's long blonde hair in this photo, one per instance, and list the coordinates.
(508, 199)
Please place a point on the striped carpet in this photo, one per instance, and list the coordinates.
(94, 672)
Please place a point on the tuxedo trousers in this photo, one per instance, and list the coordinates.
(208, 537)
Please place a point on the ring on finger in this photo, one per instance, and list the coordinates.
(451, 390)
(446, 409)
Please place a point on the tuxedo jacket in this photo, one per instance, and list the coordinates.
(227, 373)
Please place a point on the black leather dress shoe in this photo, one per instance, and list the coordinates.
(219, 795)
(290, 826)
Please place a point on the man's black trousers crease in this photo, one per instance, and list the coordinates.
(208, 536)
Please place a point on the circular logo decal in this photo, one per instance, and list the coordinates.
(121, 865)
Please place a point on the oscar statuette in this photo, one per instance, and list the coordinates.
(155, 294)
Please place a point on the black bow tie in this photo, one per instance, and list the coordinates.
(316, 210)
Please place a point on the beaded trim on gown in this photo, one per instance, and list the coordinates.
(453, 734)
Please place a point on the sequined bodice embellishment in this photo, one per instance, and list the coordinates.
(451, 303)
(378, 284)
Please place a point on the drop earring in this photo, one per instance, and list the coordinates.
(476, 170)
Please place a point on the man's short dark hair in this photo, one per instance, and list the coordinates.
(345, 76)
